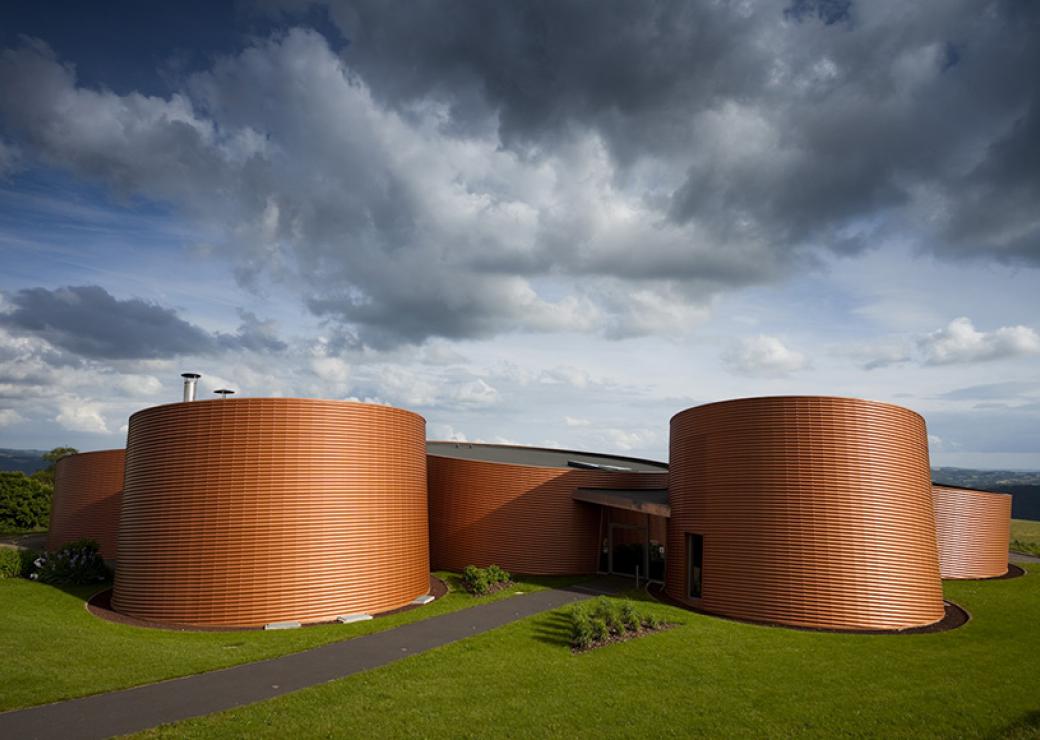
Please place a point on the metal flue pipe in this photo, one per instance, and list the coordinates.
(190, 381)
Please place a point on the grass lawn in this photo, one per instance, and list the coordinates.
(51, 648)
(706, 677)
(1025, 536)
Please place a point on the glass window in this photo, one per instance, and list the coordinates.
(695, 564)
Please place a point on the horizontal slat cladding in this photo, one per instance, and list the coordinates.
(87, 490)
(815, 512)
(519, 517)
(249, 511)
(973, 529)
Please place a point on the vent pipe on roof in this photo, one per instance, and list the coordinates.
(224, 393)
(190, 381)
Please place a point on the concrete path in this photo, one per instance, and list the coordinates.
(1022, 557)
(136, 709)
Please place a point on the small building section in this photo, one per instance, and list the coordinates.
(516, 507)
(259, 510)
(803, 511)
(973, 530)
(87, 491)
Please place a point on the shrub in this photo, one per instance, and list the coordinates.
(497, 575)
(630, 617)
(28, 558)
(651, 621)
(599, 629)
(10, 562)
(476, 580)
(581, 628)
(75, 563)
(25, 503)
(479, 581)
(609, 612)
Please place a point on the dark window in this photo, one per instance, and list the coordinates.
(694, 564)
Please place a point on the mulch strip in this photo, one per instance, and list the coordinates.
(954, 616)
(100, 605)
(614, 639)
(1013, 571)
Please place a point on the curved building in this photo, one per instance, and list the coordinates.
(804, 511)
(258, 510)
(87, 490)
(542, 512)
(973, 530)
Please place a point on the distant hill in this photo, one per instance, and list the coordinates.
(25, 461)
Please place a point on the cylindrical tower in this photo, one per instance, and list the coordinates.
(513, 506)
(87, 489)
(804, 511)
(250, 511)
(973, 529)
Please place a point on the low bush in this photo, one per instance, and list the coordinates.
(480, 581)
(10, 563)
(76, 563)
(25, 503)
(606, 620)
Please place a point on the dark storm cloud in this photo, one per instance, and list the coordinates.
(88, 321)
(464, 169)
(847, 113)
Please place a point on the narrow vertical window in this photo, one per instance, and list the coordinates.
(694, 564)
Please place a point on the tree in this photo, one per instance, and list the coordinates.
(25, 503)
(46, 475)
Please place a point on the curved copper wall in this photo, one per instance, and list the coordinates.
(815, 512)
(249, 511)
(517, 516)
(973, 529)
(87, 489)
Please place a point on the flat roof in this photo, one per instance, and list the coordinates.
(646, 501)
(543, 457)
(969, 488)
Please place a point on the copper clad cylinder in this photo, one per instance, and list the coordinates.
(249, 511)
(87, 490)
(974, 529)
(814, 512)
(520, 517)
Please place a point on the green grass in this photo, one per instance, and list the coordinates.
(705, 677)
(1025, 536)
(51, 648)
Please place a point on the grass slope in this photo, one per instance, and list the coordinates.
(706, 677)
(1025, 536)
(51, 648)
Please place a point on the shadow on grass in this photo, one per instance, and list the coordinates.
(1026, 726)
(554, 628)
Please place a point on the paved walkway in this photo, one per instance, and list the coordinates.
(136, 709)
(1022, 557)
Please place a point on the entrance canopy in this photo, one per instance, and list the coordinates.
(653, 501)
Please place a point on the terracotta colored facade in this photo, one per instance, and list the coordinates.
(812, 511)
(87, 491)
(520, 517)
(973, 530)
(259, 510)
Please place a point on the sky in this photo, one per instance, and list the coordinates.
(552, 223)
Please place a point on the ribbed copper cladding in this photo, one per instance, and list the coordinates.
(815, 512)
(517, 516)
(249, 511)
(87, 489)
(973, 529)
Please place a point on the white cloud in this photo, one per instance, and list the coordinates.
(80, 415)
(574, 422)
(9, 417)
(961, 342)
(763, 356)
(334, 372)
